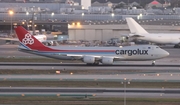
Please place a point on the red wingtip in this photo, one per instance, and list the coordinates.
(29, 40)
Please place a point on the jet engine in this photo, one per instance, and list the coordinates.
(89, 59)
(107, 60)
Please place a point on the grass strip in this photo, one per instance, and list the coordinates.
(39, 60)
(89, 101)
(110, 84)
(66, 71)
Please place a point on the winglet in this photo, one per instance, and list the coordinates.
(28, 40)
(134, 27)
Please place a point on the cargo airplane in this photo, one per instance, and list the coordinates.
(89, 55)
(140, 33)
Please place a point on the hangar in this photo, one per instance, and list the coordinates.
(106, 32)
(96, 32)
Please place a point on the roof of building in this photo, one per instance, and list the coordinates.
(154, 2)
(126, 1)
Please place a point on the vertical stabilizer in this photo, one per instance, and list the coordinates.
(29, 41)
(134, 27)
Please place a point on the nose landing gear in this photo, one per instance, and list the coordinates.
(177, 46)
(153, 63)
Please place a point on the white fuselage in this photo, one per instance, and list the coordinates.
(139, 32)
(161, 38)
(41, 38)
(127, 53)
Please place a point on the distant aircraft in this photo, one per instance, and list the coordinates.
(139, 32)
(41, 37)
(89, 55)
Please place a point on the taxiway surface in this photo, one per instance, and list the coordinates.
(163, 77)
(97, 92)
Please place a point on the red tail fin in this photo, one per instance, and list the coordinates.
(29, 40)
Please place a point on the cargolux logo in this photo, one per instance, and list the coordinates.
(28, 39)
(131, 52)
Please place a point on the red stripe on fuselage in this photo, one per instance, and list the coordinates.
(78, 50)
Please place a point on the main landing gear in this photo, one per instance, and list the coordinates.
(176, 46)
(153, 63)
(93, 64)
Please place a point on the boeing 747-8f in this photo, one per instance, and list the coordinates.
(139, 32)
(89, 55)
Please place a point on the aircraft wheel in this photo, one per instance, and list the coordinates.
(89, 64)
(176, 46)
(92, 64)
(96, 63)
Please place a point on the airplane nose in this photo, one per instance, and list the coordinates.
(166, 53)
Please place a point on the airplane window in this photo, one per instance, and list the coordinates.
(157, 47)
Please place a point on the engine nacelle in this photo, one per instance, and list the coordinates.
(88, 59)
(107, 60)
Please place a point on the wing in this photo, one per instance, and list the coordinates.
(11, 39)
(79, 57)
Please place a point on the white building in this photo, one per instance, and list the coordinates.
(100, 10)
(86, 4)
(97, 4)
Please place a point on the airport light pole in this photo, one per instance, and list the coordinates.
(11, 12)
(82, 16)
(33, 28)
(125, 82)
(27, 14)
(52, 14)
(112, 15)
